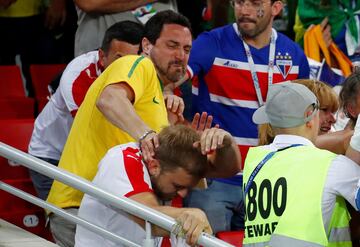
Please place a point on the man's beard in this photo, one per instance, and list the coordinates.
(253, 33)
(174, 76)
(159, 193)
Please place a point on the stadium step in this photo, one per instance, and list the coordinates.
(13, 236)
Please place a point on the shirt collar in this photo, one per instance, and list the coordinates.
(282, 141)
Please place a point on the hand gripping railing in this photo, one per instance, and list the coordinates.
(123, 203)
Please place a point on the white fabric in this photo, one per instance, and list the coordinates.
(342, 178)
(53, 124)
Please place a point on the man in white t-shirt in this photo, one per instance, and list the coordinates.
(53, 124)
(178, 165)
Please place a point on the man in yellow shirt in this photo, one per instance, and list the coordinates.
(124, 104)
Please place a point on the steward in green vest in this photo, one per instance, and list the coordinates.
(286, 182)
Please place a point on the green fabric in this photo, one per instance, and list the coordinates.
(312, 12)
(305, 171)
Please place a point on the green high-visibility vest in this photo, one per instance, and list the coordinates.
(283, 206)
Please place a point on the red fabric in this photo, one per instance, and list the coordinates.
(134, 171)
(82, 83)
(235, 76)
(234, 237)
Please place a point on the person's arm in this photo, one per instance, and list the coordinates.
(223, 154)
(109, 6)
(55, 14)
(336, 142)
(192, 220)
(115, 102)
(353, 151)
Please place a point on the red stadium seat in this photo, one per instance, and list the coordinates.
(11, 84)
(16, 108)
(234, 237)
(16, 133)
(20, 212)
(41, 103)
(42, 75)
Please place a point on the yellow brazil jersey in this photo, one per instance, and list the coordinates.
(22, 8)
(92, 134)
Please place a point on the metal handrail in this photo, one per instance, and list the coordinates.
(70, 217)
(87, 187)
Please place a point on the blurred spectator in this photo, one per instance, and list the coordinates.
(94, 17)
(30, 28)
(343, 22)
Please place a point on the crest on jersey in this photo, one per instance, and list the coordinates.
(284, 63)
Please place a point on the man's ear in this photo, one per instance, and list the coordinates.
(146, 46)
(276, 8)
(101, 57)
(351, 110)
(154, 167)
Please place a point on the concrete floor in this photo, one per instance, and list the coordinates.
(13, 236)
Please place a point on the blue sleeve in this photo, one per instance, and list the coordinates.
(357, 199)
(203, 53)
(304, 68)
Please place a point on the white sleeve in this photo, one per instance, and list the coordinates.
(343, 179)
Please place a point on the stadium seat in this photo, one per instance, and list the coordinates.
(42, 75)
(11, 83)
(232, 237)
(41, 103)
(16, 133)
(17, 107)
(20, 212)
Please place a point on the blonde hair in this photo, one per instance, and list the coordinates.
(327, 99)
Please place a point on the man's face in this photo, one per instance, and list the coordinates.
(170, 53)
(116, 50)
(253, 17)
(168, 184)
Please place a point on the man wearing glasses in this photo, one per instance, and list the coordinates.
(232, 68)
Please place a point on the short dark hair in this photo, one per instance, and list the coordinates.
(349, 93)
(176, 151)
(155, 24)
(127, 31)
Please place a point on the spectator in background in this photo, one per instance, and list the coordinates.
(30, 28)
(341, 22)
(232, 68)
(120, 107)
(350, 98)
(53, 124)
(94, 17)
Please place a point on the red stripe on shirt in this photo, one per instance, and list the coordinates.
(235, 82)
(135, 172)
(82, 84)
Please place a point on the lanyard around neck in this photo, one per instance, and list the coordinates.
(270, 66)
(261, 164)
